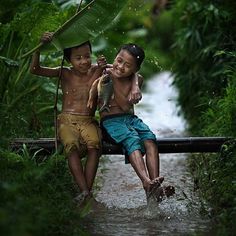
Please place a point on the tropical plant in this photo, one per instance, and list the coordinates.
(36, 198)
(86, 24)
(21, 93)
(205, 76)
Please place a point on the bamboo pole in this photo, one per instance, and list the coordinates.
(165, 145)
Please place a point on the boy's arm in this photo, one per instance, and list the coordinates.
(93, 94)
(36, 68)
(135, 94)
(102, 64)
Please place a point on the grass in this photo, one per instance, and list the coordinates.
(36, 198)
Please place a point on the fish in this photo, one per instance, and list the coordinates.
(105, 92)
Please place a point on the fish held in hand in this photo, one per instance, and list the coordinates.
(105, 92)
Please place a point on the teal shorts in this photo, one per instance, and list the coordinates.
(129, 131)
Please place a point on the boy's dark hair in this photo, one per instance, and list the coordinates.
(136, 51)
(67, 51)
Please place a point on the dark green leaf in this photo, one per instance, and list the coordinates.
(85, 25)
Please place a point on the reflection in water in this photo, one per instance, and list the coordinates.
(122, 208)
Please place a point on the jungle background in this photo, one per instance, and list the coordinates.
(195, 40)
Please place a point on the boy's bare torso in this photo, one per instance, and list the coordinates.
(120, 103)
(75, 90)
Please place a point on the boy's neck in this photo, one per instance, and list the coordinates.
(78, 73)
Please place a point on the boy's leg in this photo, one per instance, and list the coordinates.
(148, 137)
(76, 169)
(153, 166)
(152, 159)
(138, 164)
(91, 134)
(91, 166)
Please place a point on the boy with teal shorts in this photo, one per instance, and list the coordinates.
(125, 128)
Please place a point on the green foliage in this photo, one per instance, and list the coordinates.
(36, 198)
(136, 24)
(90, 21)
(204, 31)
(205, 74)
(221, 115)
(215, 176)
(22, 94)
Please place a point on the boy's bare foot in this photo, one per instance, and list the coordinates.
(154, 185)
(158, 192)
(157, 181)
(82, 197)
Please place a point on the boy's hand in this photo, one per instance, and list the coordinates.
(135, 95)
(102, 62)
(46, 37)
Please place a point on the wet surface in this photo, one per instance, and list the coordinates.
(121, 207)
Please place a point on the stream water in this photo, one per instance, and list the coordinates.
(121, 207)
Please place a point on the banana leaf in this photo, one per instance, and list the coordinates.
(88, 23)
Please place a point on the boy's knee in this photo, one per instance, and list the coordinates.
(132, 144)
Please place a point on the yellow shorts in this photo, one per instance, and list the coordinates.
(78, 133)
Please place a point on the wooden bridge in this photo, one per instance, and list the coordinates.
(165, 145)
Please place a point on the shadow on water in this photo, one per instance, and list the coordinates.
(121, 207)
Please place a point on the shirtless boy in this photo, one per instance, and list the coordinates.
(124, 127)
(78, 130)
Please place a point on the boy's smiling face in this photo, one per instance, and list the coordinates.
(124, 64)
(80, 58)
